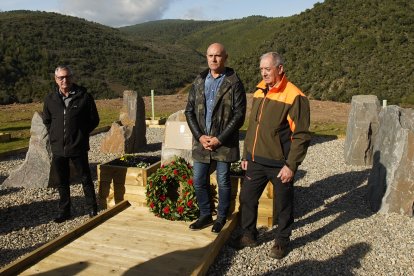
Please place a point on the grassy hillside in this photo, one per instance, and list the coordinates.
(336, 50)
(333, 51)
(106, 60)
(345, 47)
(171, 30)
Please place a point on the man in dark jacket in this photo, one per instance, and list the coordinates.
(70, 115)
(215, 111)
(276, 143)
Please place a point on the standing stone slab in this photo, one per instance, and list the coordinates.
(114, 140)
(391, 183)
(177, 139)
(128, 135)
(34, 172)
(361, 130)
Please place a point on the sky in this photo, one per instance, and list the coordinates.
(118, 13)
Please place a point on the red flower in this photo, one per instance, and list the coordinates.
(190, 203)
(152, 205)
(184, 177)
(175, 172)
(164, 178)
(162, 197)
(162, 166)
(166, 210)
(150, 184)
(190, 182)
(180, 209)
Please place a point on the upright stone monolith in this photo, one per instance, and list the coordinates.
(391, 182)
(178, 138)
(34, 172)
(361, 130)
(128, 135)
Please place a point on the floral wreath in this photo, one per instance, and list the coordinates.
(170, 191)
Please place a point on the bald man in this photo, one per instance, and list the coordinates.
(215, 111)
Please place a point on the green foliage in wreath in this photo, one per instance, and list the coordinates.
(170, 191)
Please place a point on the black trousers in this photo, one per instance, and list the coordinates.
(60, 165)
(255, 181)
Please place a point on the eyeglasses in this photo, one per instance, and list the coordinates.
(63, 77)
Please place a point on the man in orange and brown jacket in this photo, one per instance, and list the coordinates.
(276, 143)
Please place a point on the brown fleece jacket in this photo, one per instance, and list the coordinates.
(278, 132)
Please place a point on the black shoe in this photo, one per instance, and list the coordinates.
(243, 241)
(201, 223)
(218, 225)
(92, 213)
(278, 251)
(61, 218)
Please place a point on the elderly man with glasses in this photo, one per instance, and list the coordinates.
(70, 115)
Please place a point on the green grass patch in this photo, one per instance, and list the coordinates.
(18, 125)
(13, 144)
(107, 116)
(328, 129)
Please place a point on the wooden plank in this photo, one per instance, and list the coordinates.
(135, 190)
(264, 221)
(212, 251)
(116, 182)
(136, 242)
(43, 251)
(136, 200)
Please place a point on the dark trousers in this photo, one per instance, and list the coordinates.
(60, 165)
(255, 181)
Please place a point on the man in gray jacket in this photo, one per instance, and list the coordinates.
(215, 111)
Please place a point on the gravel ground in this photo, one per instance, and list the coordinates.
(335, 232)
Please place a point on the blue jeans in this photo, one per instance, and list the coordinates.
(202, 187)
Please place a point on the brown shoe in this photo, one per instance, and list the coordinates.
(243, 241)
(278, 251)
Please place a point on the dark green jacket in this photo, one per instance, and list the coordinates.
(228, 116)
(278, 132)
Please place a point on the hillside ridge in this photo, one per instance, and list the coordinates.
(335, 50)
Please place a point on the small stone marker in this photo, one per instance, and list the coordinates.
(177, 138)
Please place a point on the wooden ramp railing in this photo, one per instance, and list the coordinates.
(126, 240)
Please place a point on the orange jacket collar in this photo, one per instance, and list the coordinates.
(275, 89)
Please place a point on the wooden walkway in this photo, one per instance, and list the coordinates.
(132, 242)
